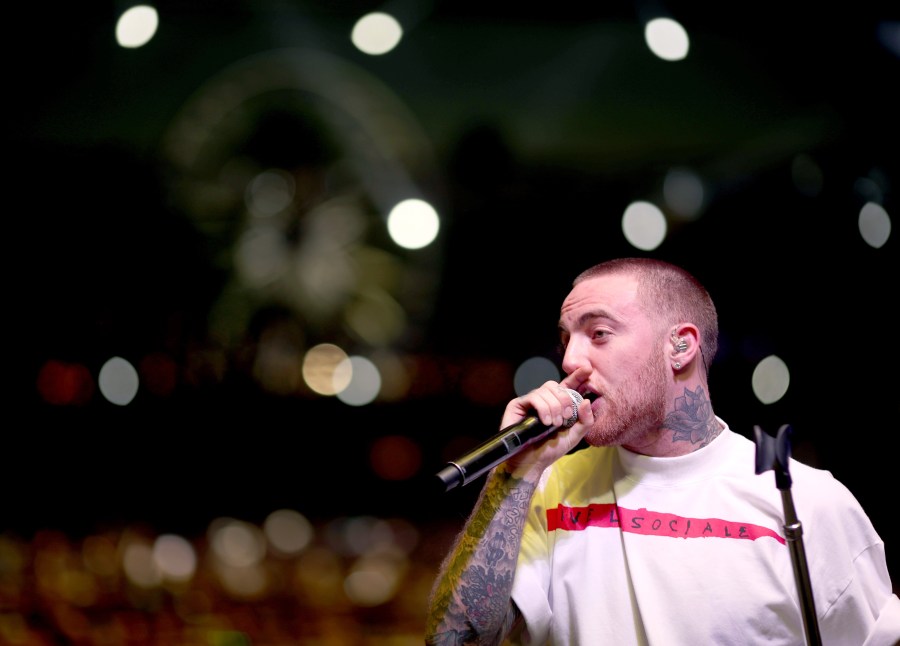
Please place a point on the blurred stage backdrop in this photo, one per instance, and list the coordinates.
(274, 263)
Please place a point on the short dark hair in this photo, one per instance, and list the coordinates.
(670, 292)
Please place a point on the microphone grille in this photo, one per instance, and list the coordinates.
(576, 402)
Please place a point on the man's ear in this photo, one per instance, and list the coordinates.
(685, 338)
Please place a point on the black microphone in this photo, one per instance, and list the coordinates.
(508, 442)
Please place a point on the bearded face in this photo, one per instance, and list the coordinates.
(633, 406)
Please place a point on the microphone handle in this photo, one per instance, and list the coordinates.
(495, 450)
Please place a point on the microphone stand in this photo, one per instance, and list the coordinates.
(774, 453)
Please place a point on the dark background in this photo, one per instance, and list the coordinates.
(530, 130)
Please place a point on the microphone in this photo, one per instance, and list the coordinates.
(505, 444)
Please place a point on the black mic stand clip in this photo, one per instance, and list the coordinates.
(774, 453)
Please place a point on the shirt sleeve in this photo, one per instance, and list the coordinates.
(849, 573)
(886, 631)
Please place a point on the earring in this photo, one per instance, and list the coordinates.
(681, 345)
(677, 365)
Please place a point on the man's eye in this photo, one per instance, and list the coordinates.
(599, 334)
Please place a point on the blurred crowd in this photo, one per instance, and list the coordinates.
(355, 580)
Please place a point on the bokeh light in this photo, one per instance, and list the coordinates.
(364, 384)
(288, 531)
(684, 193)
(413, 224)
(376, 33)
(139, 564)
(644, 225)
(174, 557)
(770, 380)
(137, 26)
(118, 381)
(667, 39)
(326, 369)
(533, 372)
(874, 225)
(236, 543)
(65, 384)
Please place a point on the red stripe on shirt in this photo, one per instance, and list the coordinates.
(652, 523)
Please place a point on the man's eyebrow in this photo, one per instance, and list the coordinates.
(587, 317)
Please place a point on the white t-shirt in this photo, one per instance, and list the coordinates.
(622, 549)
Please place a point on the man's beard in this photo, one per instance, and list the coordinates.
(635, 408)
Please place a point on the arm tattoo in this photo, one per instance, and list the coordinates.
(693, 419)
(470, 602)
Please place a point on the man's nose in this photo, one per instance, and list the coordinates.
(574, 356)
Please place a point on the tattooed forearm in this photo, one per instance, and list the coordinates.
(470, 602)
(693, 419)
